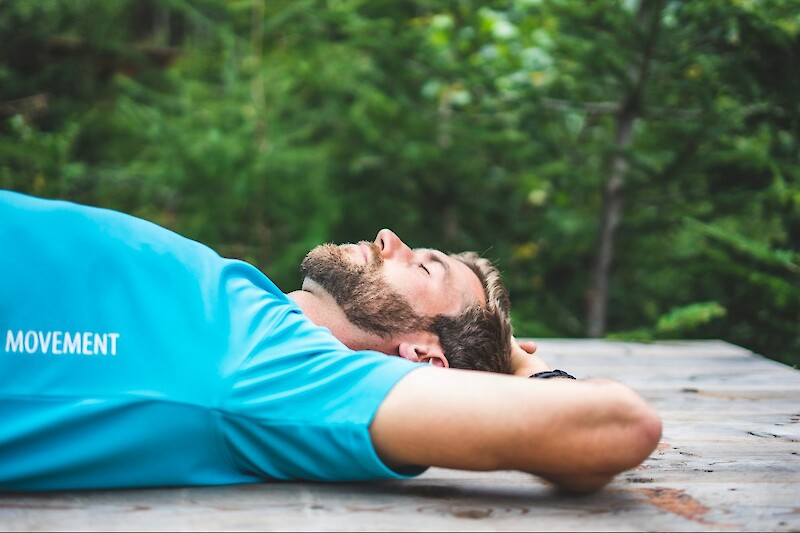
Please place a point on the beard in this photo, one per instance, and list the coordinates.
(361, 292)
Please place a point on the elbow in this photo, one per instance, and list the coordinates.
(625, 444)
(643, 430)
(606, 430)
(629, 431)
(649, 429)
(652, 428)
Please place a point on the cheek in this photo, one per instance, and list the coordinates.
(421, 293)
(404, 282)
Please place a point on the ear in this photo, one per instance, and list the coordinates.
(428, 353)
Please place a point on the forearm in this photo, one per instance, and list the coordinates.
(573, 433)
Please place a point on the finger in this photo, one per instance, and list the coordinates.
(528, 346)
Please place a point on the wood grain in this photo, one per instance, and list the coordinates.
(729, 460)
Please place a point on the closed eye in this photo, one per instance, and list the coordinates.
(428, 272)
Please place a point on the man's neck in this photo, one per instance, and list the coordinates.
(321, 308)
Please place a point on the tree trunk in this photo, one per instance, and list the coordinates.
(648, 18)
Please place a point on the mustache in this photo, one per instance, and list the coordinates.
(375, 256)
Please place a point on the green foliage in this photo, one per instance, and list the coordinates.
(677, 323)
(681, 321)
(263, 128)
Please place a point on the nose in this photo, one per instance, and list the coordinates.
(390, 245)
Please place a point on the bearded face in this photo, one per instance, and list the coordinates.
(361, 291)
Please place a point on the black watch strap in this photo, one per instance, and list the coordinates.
(553, 374)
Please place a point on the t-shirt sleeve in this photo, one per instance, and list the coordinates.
(300, 402)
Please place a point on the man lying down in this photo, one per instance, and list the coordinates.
(134, 357)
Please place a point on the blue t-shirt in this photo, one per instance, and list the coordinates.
(131, 356)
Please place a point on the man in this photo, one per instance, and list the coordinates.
(135, 357)
(422, 305)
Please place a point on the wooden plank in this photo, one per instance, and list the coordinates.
(433, 502)
(729, 460)
(709, 349)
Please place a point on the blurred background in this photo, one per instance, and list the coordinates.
(633, 167)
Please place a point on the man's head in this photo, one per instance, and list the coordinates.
(421, 304)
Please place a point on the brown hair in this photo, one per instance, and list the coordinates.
(479, 338)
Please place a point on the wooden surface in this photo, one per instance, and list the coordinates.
(729, 460)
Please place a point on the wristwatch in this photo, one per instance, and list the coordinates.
(553, 374)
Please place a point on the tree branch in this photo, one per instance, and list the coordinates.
(29, 106)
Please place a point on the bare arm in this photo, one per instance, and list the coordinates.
(576, 434)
